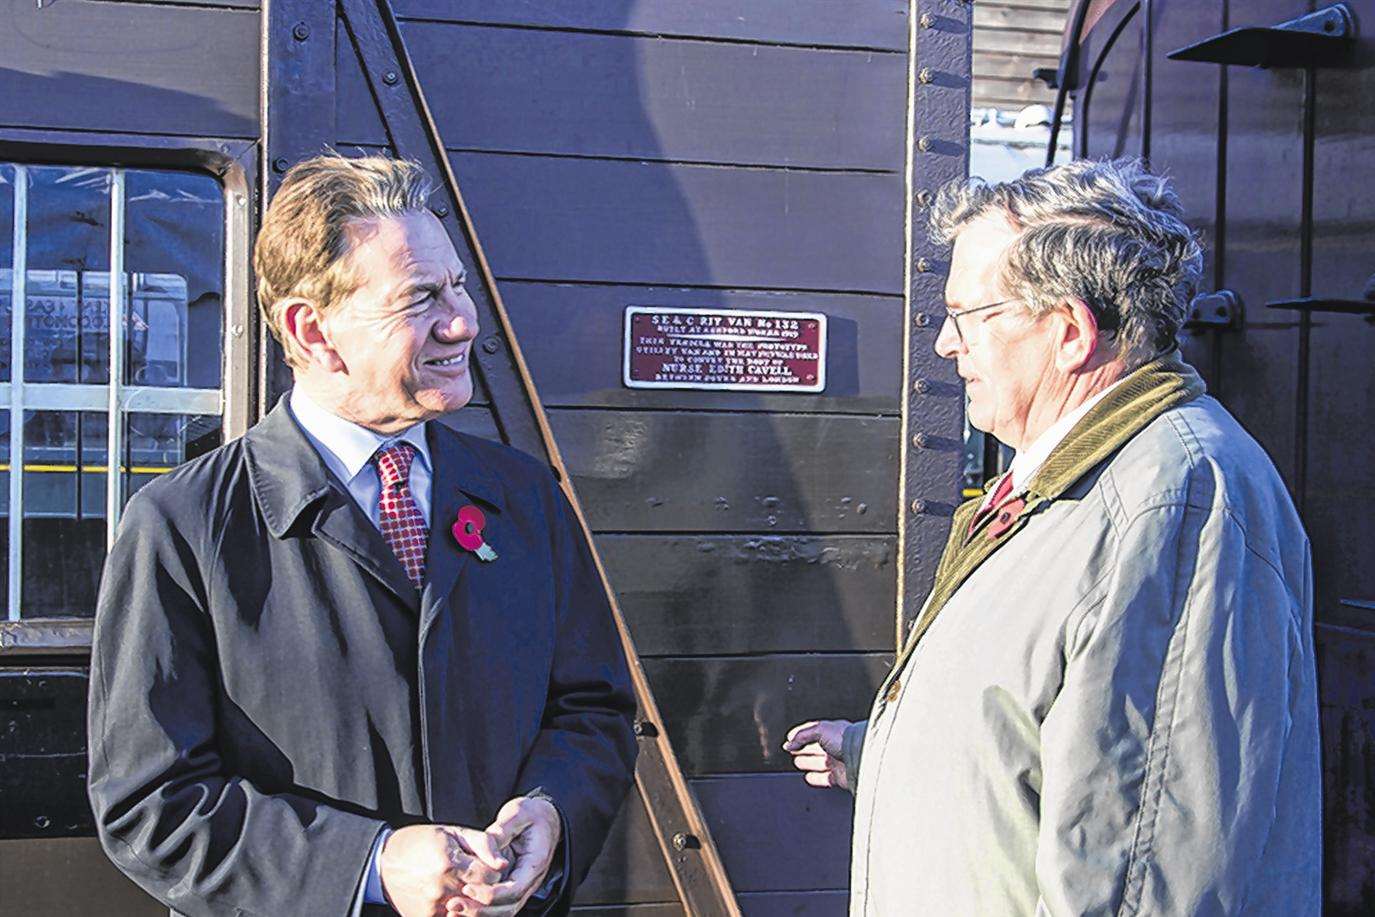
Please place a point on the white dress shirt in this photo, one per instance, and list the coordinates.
(347, 450)
(1028, 461)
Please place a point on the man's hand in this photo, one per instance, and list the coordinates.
(424, 867)
(528, 830)
(815, 747)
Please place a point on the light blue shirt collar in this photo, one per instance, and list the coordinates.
(345, 446)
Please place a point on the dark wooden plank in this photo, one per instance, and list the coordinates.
(81, 65)
(68, 876)
(1346, 696)
(475, 420)
(536, 91)
(661, 909)
(776, 833)
(731, 714)
(731, 594)
(795, 904)
(881, 24)
(546, 218)
(1341, 480)
(1261, 256)
(864, 352)
(1111, 106)
(684, 472)
(43, 754)
(631, 866)
(1185, 99)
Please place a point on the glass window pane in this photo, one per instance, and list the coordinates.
(156, 443)
(63, 533)
(67, 311)
(174, 253)
(7, 176)
(4, 513)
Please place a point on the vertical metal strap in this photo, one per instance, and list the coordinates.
(19, 292)
(115, 439)
(933, 398)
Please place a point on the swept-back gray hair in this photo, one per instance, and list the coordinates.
(1106, 232)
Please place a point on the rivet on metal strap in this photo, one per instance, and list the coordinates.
(924, 144)
(919, 507)
(921, 386)
(921, 319)
(926, 21)
(924, 75)
(919, 440)
(923, 265)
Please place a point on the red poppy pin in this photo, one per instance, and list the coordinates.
(468, 532)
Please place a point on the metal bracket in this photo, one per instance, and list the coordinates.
(1314, 39)
(1220, 310)
(1319, 304)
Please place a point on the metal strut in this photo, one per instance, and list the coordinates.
(686, 843)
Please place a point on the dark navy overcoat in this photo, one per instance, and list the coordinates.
(268, 689)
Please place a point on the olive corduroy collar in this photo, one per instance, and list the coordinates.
(1142, 396)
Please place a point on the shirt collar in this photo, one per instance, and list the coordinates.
(345, 446)
(1029, 460)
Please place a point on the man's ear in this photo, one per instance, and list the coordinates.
(1078, 341)
(303, 328)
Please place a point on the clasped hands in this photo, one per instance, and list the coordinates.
(449, 870)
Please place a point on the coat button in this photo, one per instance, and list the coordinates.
(893, 690)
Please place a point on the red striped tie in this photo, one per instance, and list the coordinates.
(398, 515)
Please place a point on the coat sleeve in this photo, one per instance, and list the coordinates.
(1167, 751)
(199, 838)
(584, 756)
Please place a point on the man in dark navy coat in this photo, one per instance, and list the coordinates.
(309, 694)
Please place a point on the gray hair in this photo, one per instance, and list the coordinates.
(1106, 232)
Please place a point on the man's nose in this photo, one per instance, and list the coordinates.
(461, 322)
(948, 344)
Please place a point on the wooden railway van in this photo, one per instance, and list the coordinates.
(1262, 113)
(767, 524)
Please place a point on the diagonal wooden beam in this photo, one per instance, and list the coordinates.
(684, 839)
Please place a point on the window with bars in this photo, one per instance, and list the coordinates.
(111, 361)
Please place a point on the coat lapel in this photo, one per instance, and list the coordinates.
(458, 479)
(289, 479)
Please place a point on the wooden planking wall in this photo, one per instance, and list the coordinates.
(723, 155)
(1011, 38)
(1220, 133)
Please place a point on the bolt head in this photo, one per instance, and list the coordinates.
(491, 345)
(390, 78)
(926, 21)
(924, 75)
(300, 31)
(921, 319)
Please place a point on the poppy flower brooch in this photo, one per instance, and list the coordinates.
(468, 533)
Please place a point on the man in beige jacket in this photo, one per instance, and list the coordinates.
(1107, 704)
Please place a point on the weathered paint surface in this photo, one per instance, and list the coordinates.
(1272, 174)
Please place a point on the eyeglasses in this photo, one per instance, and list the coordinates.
(955, 316)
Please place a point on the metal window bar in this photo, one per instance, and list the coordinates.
(116, 398)
(114, 440)
(18, 299)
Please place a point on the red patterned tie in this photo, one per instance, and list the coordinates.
(1000, 494)
(399, 517)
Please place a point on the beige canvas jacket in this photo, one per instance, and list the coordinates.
(1111, 706)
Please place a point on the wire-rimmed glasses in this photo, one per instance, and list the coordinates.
(955, 316)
